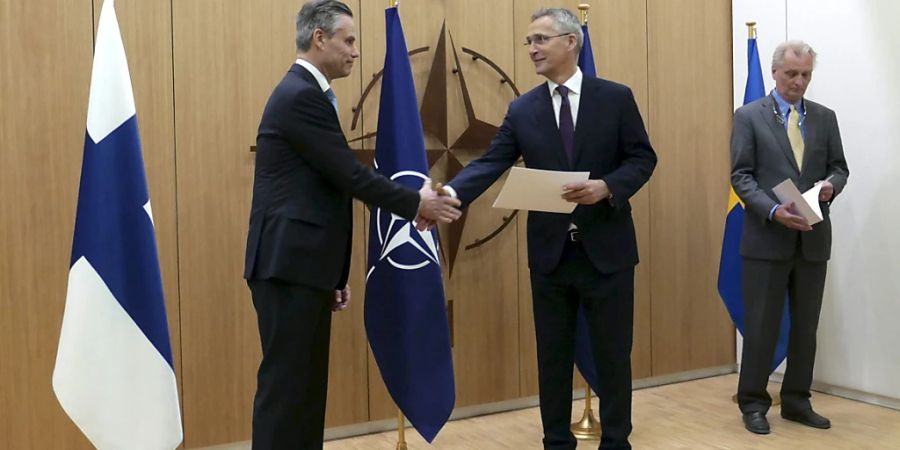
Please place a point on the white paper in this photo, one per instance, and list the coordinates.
(807, 203)
(538, 190)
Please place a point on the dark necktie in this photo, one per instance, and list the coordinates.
(566, 126)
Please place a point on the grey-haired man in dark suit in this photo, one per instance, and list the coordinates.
(781, 136)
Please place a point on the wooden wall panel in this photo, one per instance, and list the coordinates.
(619, 39)
(46, 78)
(690, 116)
(483, 285)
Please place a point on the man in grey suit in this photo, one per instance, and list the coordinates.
(778, 137)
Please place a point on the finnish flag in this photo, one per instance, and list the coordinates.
(114, 374)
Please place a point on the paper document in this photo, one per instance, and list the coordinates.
(807, 204)
(538, 190)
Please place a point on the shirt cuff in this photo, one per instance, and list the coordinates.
(772, 212)
(450, 191)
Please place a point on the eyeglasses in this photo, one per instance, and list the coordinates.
(540, 39)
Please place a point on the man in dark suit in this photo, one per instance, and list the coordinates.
(778, 137)
(298, 245)
(575, 123)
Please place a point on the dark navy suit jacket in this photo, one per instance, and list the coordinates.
(301, 215)
(610, 142)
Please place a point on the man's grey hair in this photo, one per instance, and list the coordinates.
(798, 48)
(564, 22)
(321, 14)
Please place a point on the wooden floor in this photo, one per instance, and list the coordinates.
(693, 415)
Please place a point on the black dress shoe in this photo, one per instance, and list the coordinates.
(807, 417)
(755, 422)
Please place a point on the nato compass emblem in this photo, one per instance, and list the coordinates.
(400, 243)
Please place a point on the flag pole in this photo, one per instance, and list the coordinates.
(401, 421)
(401, 430)
(588, 427)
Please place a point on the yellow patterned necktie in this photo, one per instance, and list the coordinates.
(794, 135)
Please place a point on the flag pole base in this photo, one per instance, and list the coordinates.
(588, 428)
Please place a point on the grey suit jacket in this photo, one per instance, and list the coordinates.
(761, 158)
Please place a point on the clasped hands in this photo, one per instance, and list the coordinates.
(435, 205)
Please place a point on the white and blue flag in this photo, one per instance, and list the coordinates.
(114, 374)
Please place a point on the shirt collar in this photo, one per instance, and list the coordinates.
(573, 83)
(783, 104)
(323, 82)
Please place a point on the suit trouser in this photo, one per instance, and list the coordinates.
(292, 382)
(764, 286)
(609, 309)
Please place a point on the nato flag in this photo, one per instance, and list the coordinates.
(405, 314)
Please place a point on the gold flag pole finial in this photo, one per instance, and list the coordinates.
(584, 8)
(751, 30)
(395, 3)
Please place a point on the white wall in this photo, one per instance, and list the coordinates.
(857, 75)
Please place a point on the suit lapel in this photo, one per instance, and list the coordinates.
(588, 109)
(769, 116)
(546, 121)
(810, 128)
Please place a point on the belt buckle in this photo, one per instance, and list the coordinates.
(573, 235)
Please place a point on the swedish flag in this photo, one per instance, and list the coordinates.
(730, 264)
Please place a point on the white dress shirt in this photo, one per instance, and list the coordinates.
(323, 82)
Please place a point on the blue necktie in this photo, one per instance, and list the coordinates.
(566, 126)
(333, 98)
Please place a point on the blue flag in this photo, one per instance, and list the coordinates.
(730, 263)
(114, 374)
(586, 55)
(405, 313)
(584, 358)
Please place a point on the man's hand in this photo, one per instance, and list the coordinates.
(341, 299)
(787, 215)
(422, 223)
(435, 206)
(827, 192)
(586, 192)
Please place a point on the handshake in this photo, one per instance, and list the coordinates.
(435, 205)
